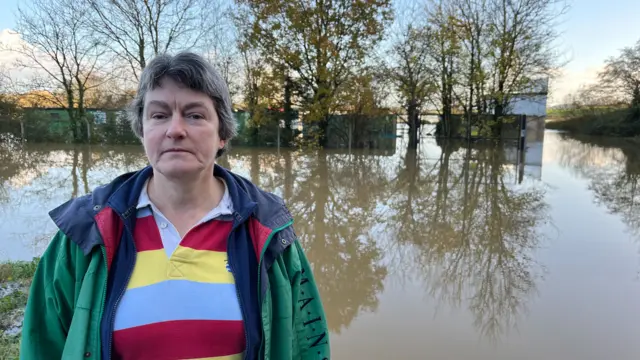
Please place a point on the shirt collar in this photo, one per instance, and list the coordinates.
(225, 207)
(143, 199)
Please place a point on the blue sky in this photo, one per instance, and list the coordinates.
(7, 13)
(592, 31)
(597, 29)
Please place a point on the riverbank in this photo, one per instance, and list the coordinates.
(15, 279)
(600, 122)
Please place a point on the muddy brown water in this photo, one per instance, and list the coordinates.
(449, 252)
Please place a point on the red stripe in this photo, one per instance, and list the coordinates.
(259, 235)
(185, 339)
(146, 234)
(211, 236)
(110, 227)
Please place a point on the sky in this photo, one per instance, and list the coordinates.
(591, 32)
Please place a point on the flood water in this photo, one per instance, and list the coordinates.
(445, 253)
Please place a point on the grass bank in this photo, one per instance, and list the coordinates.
(15, 278)
(600, 121)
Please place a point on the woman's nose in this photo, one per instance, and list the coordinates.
(177, 128)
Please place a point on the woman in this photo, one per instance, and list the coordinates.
(182, 259)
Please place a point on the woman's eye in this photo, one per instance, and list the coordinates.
(158, 116)
(195, 116)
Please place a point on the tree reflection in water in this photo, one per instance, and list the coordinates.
(34, 178)
(457, 224)
(470, 232)
(333, 198)
(613, 169)
(452, 219)
(461, 229)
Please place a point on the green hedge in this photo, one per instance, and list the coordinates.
(612, 122)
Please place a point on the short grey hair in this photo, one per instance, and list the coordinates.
(193, 71)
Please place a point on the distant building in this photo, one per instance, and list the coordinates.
(531, 101)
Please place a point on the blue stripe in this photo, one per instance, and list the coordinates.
(177, 300)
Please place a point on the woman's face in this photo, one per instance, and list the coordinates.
(180, 130)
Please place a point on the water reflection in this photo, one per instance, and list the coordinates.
(457, 221)
(471, 232)
(333, 198)
(450, 221)
(36, 177)
(613, 169)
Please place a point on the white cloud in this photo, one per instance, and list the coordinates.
(569, 81)
(9, 39)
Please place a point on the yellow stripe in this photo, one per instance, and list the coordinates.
(228, 357)
(206, 266)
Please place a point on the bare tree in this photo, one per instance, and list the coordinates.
(136, 30)
(222, 50)
(484, 52)
(622, 75)
(57, 43)
(522, 46)
(445, 54)
(412, 75)
(5, 80)
(261, 85)
(472, 30)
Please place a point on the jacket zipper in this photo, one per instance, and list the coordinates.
(233, 270)
(266, 244)
(264, 248)
(104, 292)
(124, 289)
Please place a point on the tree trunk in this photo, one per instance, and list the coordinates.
(414, 124)
(22, 134)
(80, 112)
(323, 116)
(472, 70)
(635, 102)
(73, 124)
(499, 110)
(323, 125)
(288, 111)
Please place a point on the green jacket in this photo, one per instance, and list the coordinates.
(68, 309)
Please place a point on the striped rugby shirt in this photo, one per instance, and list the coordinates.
(181, 301)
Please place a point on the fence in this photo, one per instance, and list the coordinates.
(112, 127)
(38, 126)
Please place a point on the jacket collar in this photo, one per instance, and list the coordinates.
(76, 217)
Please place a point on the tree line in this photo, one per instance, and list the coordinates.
(462, 59)
(610, 105)
(617, 84)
